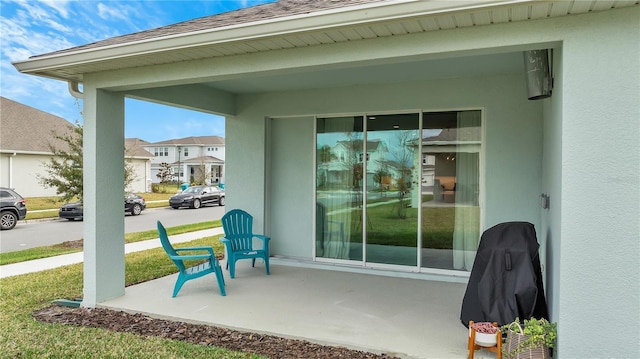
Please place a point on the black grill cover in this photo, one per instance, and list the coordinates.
(506, 278)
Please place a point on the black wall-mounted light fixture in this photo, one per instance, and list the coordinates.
(539, 77)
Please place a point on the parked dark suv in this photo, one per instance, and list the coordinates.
(13, 208)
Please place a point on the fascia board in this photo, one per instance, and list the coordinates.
(25, 152)
(348, 16)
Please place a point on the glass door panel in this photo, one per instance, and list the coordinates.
(392, 164)
(339, 181)
(450, 189)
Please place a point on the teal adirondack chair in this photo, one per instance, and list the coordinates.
(211, 265)
(238, 240)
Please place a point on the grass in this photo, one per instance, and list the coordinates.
(64, 248)
(23, 337)
(384, 226)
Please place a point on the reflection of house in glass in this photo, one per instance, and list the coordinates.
(347, 161)
(441, 156)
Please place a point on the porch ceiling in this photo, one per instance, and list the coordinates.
(346, 24)
(469, 66)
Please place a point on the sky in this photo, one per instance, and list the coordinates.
(34, 27)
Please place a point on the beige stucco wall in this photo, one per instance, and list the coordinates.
(21, 172)
(142, 170)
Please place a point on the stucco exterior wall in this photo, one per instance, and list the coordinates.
(142, 180)
(600, 219)
(549, 235)
(512, 149)
(22, 174)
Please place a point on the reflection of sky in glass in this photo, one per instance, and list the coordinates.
(431, 133)
(332, 138)
(389, 137)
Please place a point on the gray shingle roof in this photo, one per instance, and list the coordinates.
(26, 129)
(263, 12)
(193, 140)
(134, 148)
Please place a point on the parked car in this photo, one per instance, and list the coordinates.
(12, 208)
(133, 204)
(196, 196)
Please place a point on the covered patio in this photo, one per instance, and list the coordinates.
(293, 73)
(404, 317)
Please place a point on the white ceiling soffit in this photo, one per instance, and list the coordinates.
(378, 19)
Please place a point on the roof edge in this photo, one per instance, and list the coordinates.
(323, 19)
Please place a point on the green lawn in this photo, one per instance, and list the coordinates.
(23, 337)
(65, 248)
(384, 226)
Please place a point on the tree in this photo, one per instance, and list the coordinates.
(65, 166)
(64, 169)
(165, 173)
(129, 170)
(202, 174)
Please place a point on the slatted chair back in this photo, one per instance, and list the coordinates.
(239, 240)
(238, 229)
(164, 239)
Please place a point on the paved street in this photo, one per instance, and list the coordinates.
(32, 234)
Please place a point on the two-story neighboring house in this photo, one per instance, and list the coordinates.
(25, 138)
(191, 158)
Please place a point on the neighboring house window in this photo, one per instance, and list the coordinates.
(186, 151)
(161, 151)
(211, 149)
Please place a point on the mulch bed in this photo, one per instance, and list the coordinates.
(265, 345)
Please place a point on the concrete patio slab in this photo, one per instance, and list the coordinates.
(409, 318)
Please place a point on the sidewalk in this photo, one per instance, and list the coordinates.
(37, 265)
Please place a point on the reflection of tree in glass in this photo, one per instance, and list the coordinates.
(324, 157)
(352, 164)
(382, 177)
(403, 164)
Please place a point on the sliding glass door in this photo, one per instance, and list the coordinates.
(399, 189)
(339, 180)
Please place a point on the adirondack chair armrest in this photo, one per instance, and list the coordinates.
(192, 256)
(185, 249)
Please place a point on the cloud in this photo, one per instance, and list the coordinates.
(109, 13)
(61, 6)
